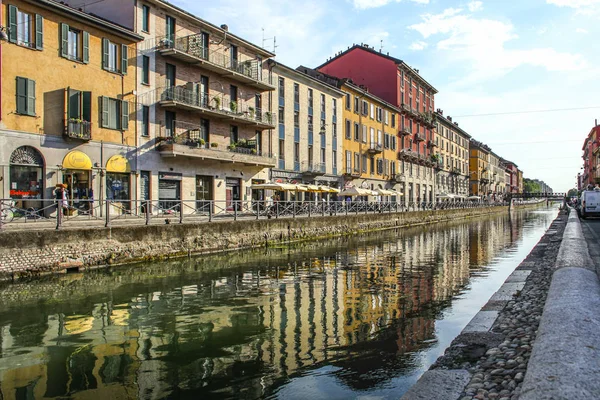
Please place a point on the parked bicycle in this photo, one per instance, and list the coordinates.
(8, 211)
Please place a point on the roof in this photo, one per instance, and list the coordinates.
(215, 27)
(479, 145)
(454, 125)
(89, 18)
(304, 75)
(395, 60)
(340, 82)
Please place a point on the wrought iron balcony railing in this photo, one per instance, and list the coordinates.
(77, 129)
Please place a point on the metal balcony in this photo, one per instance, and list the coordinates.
(312, 169)
(190, 49)
(188, 140)
(419, 137)
(351, 173)
(375, 148)
(76, 129)
(213, 107)
(405, 131)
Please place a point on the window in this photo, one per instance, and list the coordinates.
(75, 44)
(115, 113)
(334, 159)
(322, 103)
(334, 106)
(356, 162)
(145, 121)
(79, 105)
(364, 163)
(145, 18)
(310, 98)
(356, 105)
(25, 96)
(310, 123)
(281, 116)
(386, 141)
(281, 87)
(365, 108)
(23, 31)
(356, 132)
(145, 70)
(281, 149)
(348, 161)
(387, 117)
(372, 165)
(364, 134)
(297, 152)
(323, 156)
(296, 119)
(110, 57)
(348, 101)
(393, 142)
(334, 129)
(233, 134)
(372, 111)
(348, 130)
(170, 29)
(296, 93)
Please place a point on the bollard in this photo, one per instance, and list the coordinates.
(235, 208)
(322, 209)
(309, 209)
(147, 212)
(107, 223)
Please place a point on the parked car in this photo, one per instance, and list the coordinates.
(589, 204)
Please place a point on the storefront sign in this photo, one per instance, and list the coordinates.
(77, 160)
(232, 181)
(169, 176)
(118, 163)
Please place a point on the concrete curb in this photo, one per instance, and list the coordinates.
(565, 360)
(439, 384)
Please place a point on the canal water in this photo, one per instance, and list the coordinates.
(359, 317)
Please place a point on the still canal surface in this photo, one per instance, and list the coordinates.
(358, 317)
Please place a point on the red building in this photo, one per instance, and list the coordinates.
(513, 171)
(590, 174)
(394, 81)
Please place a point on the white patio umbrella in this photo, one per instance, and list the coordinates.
(384, 192)
(355, 191)
(474, 198)
(445, 196)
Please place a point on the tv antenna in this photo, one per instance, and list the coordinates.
(264, 39)
(381, 45)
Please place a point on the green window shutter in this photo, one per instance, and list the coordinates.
(64, 40)
(104, 121)
(12, 24)
(39, 32)
(86, 47)
(124, 115)
(68, 103)
(87, 106)
(124, 58)
(105, 43)
(21, 95)
(30, 97)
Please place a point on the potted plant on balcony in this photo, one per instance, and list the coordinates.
(251, 112)
(200, 143)
(233, 107)
(232, 146)
(269, 117)
(253, 151)
(214, 145)
(217, 102)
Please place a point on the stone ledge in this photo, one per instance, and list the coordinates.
(439, 384)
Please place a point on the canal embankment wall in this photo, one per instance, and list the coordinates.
(37, 252)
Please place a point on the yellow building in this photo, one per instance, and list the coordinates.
(479, 168)
(68, 89)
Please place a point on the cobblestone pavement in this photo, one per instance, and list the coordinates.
(497, 360)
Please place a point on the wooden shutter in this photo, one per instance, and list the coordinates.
(12, 24)
(64, 40)
(86, 47)
(105, 45)
(21, 95)
(86, 113)
(124, 58)
(67, 105)
(104, 118)
(39, 32)
(124, 115)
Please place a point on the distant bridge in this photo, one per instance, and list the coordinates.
(557, 196)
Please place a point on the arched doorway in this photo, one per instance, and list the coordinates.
(26, 175)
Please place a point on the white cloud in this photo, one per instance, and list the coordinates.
(475, 6)
(480, 44)
(581, 30)
(366, 4)
(574, 3)
(417, 46)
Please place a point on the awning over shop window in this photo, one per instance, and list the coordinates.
(118, 163)
(77, 160)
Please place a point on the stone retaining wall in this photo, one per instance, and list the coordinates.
(31, 253)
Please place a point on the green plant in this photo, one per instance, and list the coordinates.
(251, 111)
(232, 146)
(213, 144)
(233, 106)
(202, 142)
(217, 102)
(269, 117)
(253, 151)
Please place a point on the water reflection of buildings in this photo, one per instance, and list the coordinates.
(237, 334)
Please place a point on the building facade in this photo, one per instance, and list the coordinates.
(590, 175)
(497, 177)
(452, 157)
(479, 168)
(68, 94)
(401, 86)
(308, 147)
(203, 106)
(513, 181)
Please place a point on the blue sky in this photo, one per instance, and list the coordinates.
(484, 57)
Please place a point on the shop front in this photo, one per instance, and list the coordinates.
(118, 182)
(233, 188)
(204, 193)
(77, 180)
(169, 191)
(26, 177)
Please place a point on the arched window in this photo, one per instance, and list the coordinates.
(26, 173)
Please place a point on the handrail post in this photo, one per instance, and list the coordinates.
(277, 210)
(309, 209)
(58, 214)
(235, 207)
(147, 209)
(294, 209)
(1, 206)
(210, 210)
(258, 209)
(181, 211)
(107, 223)
(322, 208)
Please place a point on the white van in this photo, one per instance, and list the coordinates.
(590, 203)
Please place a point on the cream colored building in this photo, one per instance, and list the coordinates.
(452, 153)
(307, 142)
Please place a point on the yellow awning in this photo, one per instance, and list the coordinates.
(77, 160)
(118, 163)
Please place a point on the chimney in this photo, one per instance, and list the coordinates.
(456, 123)
(449, 118)
(416, 70)
(225, 27)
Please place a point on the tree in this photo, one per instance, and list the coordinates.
(572, 193)
(530, 186)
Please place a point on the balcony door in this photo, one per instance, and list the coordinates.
(258, 106)
(233, 54)
(170, 30)
(204, 101)
(171, 75)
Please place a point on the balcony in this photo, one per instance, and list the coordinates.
(405, 131)
(407, 154)
(431, 144)
(191, 50)
(398, 178)
(419, 137)
(77, 129)
(408, 110)
(455, 171)
(350, 173)
(187, 140)
(312, 169)
(178, 97)
(375, 148)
